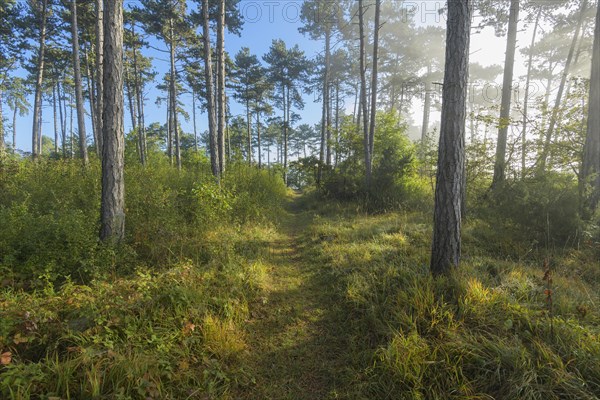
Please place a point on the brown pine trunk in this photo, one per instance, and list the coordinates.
(210, 97)
(99, 73)
(37, 104)
(526, 99)
(221, 99)
(173, 85)
(591, 151)
(550, 133)
(509, 63)
(258, 140)
(363, 95)
(374, 78)
(78, 85)
(113, 183)
(445, 253)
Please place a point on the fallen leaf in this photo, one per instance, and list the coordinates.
(6, 358)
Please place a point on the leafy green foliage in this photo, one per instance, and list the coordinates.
(395, 179)
(158, 317)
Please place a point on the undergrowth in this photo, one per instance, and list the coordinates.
(483, 333)
(159, 317)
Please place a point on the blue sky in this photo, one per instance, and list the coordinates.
(266, 20)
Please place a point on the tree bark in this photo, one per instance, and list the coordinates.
(374, 78)
(91, 93)
(507, 85)
(37, 103)
(139, 101)
(258, 139)
(526, 99)
(113, 183)
(173, 86)
(194, 120)
(55, 118)
(446, 247)
(2, 146)
(99, 73)
(363, 95)
(591, 151)
(78, 86)
(222, 100)
(426, 111)
(210, 97)
(548, 139)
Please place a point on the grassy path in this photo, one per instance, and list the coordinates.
(296, 349)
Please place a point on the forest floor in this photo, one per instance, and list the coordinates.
(296, 346)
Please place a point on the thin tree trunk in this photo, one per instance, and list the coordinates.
(258, 139)
(210, 97)
(78, 86)
(169, 127)
(91, 92)
(526, 99)
(507, 85)
(173, 82)
(55, 119)
(222, 100)
(37, 104)
(63, 121)
(99, 74)
(446, 247)
(14, 132)
(1, 126)
(363, 95)
(426, 110)
(113, 159)
(141, 131)
(591, 151)
(337, 123)
(194, 120)
(248, 131)
(374, 78)
(550, 133)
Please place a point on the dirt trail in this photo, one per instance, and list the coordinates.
(296, 347)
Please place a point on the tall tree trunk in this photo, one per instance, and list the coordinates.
(63, 121)
(248, 131)
(99, 73)
(526, 99)
(173, 82)
(2, 146)
(337, 123)
(363, 94)
(591, 151)
(169, 127)
(113, 157)
(91, 93)
(78, 86)
(445, 253)
(139, 101)
(37, 103)
(374, 78)
(222, 100)
(14, 131)
(258, 139)
(563, 80)
(194, 120)
(426, 111)
(210, 97)
(55, 118)
(130, 95)
(286, 121)
(507, 85)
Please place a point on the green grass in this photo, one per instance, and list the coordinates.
(222, 293)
